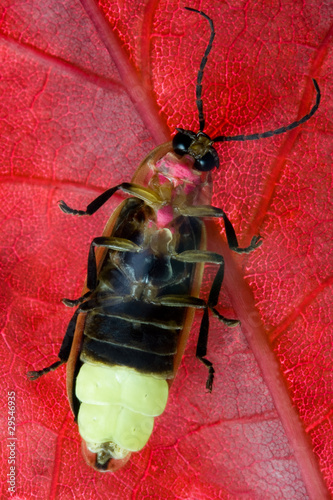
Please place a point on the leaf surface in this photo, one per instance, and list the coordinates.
(87, 91)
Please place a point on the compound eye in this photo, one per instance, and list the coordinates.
(207, 162)
(180, 143)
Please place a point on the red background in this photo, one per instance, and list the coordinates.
(69, 130)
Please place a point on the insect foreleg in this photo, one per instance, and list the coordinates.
(210, 211)
(256, 241)
(136, 190)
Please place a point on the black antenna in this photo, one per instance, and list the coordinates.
(202, 66)
(252, 137)
(281, 130)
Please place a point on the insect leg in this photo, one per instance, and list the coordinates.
(64, 351)
(210, 211)
(141, 192)
(120, 244)
(256, 241)
(201, 351)
(76, 302)
(34, 375)
(112, 243)
(99, 304)
(196, 256)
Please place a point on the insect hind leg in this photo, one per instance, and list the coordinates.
(34, 375)
(202, 349)
(64, 351)
(196, 256)
(204, 326)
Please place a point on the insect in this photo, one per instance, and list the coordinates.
(125, 341)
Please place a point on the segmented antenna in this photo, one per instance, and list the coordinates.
(281, 130)
(252, 137)
(202, 66)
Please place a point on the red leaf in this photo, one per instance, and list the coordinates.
(69, 129)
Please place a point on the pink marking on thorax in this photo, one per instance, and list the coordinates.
(179, 170)
(164, 216)
(183, 180)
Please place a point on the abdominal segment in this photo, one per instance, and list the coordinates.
(118, 405)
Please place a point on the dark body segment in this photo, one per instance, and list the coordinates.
(124, 323)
